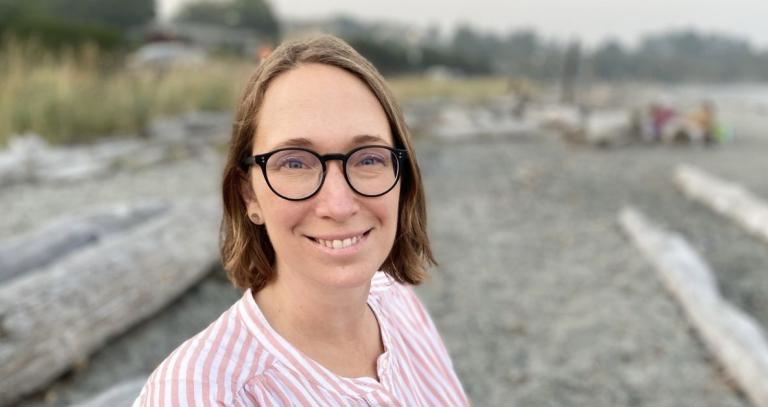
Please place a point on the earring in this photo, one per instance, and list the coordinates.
(255, 218)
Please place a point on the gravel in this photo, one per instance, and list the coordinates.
(540, 298)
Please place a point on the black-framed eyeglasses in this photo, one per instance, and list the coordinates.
(297, 173)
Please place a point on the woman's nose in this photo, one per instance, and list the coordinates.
(336, 199)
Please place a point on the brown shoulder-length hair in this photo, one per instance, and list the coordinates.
(246, 251)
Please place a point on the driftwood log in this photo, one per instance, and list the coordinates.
(734, 337)
(45, 245)
(726, 198)
(53, 317)
(30, 159)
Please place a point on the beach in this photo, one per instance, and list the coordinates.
(540, 298)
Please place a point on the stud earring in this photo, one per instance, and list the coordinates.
(255, 218)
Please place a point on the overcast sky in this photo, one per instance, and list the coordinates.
(590, 20)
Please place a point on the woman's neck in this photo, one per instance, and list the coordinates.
(298, 308)
(334, 327)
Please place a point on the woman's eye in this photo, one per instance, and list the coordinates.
(295, 164)
(292, 163)
(370, 160)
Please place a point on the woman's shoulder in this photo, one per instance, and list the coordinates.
(397, 298)
(384, 286)
(210, 367)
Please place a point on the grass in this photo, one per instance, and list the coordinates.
(81, 95)
(76, 97)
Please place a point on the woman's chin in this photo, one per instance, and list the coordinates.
(346, 277)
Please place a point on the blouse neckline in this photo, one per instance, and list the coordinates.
(292, 358)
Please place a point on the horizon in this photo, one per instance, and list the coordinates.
(590, 21)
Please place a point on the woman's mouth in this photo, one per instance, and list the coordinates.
(336, 244)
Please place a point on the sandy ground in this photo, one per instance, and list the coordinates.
(540, 298)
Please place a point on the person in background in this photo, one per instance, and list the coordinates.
(324, 229)
(703, 120)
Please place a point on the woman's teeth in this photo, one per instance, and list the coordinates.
(339, 244)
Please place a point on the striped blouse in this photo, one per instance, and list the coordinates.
(239, 360)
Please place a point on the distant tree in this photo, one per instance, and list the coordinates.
(478, 51)
(207, 12)
(255, 15)
(681, 55)
(121, 14)
(60, 23)
(524, 43)
(347, 26)
(611, 62)
(388, 57)
(571, 67)
(56, 33)
(474, 44)
(525, 53)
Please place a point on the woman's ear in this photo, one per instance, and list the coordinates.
(252, 207)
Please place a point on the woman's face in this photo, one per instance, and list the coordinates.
(328, 110)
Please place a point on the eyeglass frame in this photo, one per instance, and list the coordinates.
(261, 160)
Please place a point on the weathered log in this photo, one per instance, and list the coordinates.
(734, 337)
(458, 122)
(74, 164)
(121, 395)
(43, 246)
(726, 198)
(30, 159)
(15, 161)
(13, 169)
(53, 317)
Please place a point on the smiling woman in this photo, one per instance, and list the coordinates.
(324, 229)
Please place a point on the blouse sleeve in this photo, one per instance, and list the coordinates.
(436, 343)
(141, 401)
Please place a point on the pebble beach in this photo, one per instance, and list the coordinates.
(541, 300)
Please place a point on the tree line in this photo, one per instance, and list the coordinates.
(683, 55)
(112, 24)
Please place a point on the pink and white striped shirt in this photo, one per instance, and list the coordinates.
(239, 360)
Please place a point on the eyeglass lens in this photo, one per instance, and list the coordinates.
(297, 174)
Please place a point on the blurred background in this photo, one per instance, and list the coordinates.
(535, 123)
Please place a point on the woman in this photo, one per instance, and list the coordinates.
(321, 189)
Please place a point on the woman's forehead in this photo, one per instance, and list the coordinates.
(320, 104)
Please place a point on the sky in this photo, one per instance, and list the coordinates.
(592, 21)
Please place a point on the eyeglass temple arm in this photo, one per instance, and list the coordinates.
(252, 160)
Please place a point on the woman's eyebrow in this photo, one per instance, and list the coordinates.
(295, 142)
(368, 138)
(304, 142)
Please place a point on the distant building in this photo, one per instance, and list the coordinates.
(164, 54)
(211, 38)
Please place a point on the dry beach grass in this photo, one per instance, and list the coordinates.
(82, 94)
